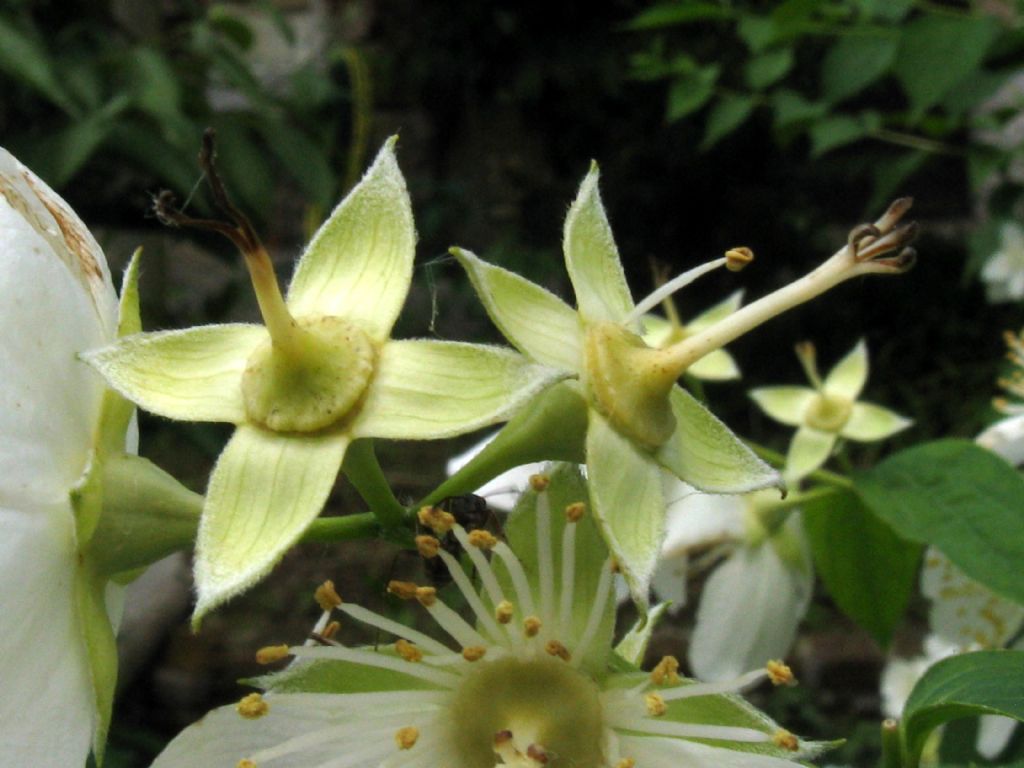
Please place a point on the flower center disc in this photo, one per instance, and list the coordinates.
(312, 383)
(542, 701)
(828, 414)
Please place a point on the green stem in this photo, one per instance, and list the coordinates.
(892, 752)
(820, 475)
(911, 141)
(363, 470)
(327, 530)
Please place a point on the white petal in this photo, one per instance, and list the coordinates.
(695, 519)
(49, 402)
(898, 679)
(1006, 438)
(994, 732)
(748, 613)
(669, 580)
(661, 752)
(46, 711)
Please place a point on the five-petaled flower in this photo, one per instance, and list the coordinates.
(532, 682)
(320, 374)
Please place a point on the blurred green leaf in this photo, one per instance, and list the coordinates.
(138, 142)
(680, 12)
(758, 32)
(854, 63)
(304, 159)
(980, 683)
(793, 109)
(886, 10)
(937, 52)
(245, 165)
(690, 92)
(869, 570)
(727, 115)
(834, 132)
(960, 497)
(153, 83)
(767, 68)
(24, 58)
(891, 175)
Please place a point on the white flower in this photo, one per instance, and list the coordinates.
(1003, 273)
(503, 491)
(529, 686)
(753, 601)
(57, 302)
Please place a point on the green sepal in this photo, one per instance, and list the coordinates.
(526, 438)
(101, 649)
(633, 646)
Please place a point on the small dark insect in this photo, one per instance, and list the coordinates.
(471, 512)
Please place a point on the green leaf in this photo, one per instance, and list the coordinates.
(728, 114)
(926, 64)
(961, 498)
(633, 646)
(758, 32)
(767, 68)
(854, 63)
(101, 649)
(836, 132)
(985, 682)
(670, 14)
(793, 109)
(23, 57)
(690, 91)
(891, 175)
(869, 570)
(304, 159)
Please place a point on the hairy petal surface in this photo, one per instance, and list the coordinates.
(265, 489)
(869, 422)
(808, 450)
(359, 264)
(193, 374)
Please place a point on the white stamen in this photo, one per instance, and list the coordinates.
(381, 660)
(384, 704)
(487, 577)
(545, 564)
(319, 627)
(472, 597)
(456, 626)
(429, 752)
(519, 581)
(664, 291)
(690, 730)
(710, 689)
(366, 616)
(568, 578)
(604, 586)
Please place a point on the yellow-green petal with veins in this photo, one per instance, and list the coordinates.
(592, 258)
(265, 490)
(538, 323)
(424, 390)
(707, 455)
(193, 375)
(846, 379)
(359, 264)
(628, 503)
(869, 422)
(809, 449)
(787, 405)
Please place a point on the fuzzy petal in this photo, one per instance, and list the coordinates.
(432, 389)
(359, 264)
(870, 422)
(625, 489)
(847, 379)
(809, 449)
(707, 455)
(748, 614)
(717, 365)
(47, 711)
(264, 491)
(663, 752)
(538, 323)
(786, 405)
(592, 258)
(193, 374)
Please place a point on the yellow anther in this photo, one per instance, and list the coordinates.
(473, 652)
(482, 539)
(555, 648)
(737, 258)
(539, 482)
(427, 546)
(616, 568)
(403, 590)
(331, 630)
(406, 737)
(537, 754)
(786, 740)
(666, 672)
(779, 673)
(656, 706)
(245, 763)
(271, 653)
(626, 762)
(326, 596)
(531, 626)
(436, 519)
(503, 612)
(574, 512)
(427, 596)
(252, 706)
(408, 651)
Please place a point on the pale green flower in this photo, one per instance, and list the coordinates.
(716, 365)
(322, 373)
(532, 681)
(828, 411)
(625, 415)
